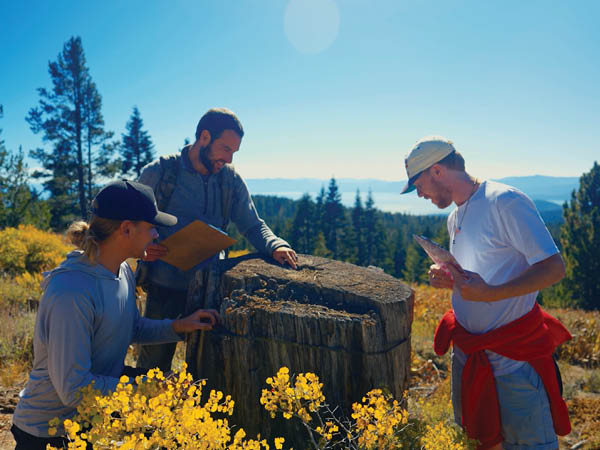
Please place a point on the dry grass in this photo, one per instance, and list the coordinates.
(429, 393)
(578, 361)
(16, 343)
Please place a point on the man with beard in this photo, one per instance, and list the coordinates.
(199, 183)
(505, 387)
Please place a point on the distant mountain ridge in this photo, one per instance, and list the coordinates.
(538, 187)
(541, 187)
(549, 193)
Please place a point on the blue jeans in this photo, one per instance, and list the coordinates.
(524, 408)
(26, 441)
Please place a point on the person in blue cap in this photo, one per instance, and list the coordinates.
(88, 315)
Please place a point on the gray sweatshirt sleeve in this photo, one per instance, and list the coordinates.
(151, 331)
(245, 217)
(67, 328)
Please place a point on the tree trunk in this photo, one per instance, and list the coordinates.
(350, 325)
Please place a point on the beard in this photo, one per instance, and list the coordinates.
(204, 159)
(443, 196)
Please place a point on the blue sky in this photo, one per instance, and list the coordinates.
(329, 88)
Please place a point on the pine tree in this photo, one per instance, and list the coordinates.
(580, 239)
(359, 229)
(303, 236)
(320, 210)
(415, 265)
(374, 235)
(399, 250)
(333, 220)
(69, 117)
(96, 140)
(137, 149)
(320, 247)
(19, 203)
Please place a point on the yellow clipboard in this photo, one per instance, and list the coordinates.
(193, 244)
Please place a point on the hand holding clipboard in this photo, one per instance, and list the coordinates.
(438, 254)
(193, 244)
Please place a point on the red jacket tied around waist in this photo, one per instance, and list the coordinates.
(532, 338)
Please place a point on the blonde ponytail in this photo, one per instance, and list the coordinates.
(88, 236)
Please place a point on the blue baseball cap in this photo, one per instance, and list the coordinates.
(128, 200)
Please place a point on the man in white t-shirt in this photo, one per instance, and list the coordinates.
(508, 255)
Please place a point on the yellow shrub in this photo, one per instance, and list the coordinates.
(160, 412)
(441, 436)
(27, 249)
(31, 283)
(377, 420)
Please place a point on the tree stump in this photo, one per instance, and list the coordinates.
(350, 325)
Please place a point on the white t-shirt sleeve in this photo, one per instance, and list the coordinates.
(522, 227)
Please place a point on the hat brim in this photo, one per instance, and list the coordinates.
(408, 188)
(410, 184)
(164, 220)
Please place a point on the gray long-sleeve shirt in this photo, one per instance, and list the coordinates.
(87, 319)
(200, 197)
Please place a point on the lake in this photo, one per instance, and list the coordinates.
(384, 201)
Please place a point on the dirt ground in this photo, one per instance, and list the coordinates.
(8, 402)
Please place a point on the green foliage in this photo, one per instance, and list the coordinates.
(363, 234)
(334, 220)
(137, 149)
(18, 202)
(374, 236)
(303, 236)
(415, 266)
(320, 247)
(580, 239)
(69, 117)
(358, 225)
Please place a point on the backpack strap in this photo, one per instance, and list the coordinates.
(226, 177)
(169, 166)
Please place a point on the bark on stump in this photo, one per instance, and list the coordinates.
(350, 325)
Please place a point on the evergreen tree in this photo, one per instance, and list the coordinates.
(68, 115)
(333, 220)
(348, 251)
(19, 203)
(137, 149)
(320, 247)
(442, 237)
(415, 265)
(320, 209)
(359, 229)
(63, 198)
(399, 249)
(303, 234)
(374, 235)
(580, 239)
(99, 149)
